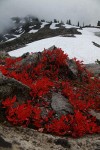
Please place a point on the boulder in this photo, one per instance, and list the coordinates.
(60, 104)
(10, 87)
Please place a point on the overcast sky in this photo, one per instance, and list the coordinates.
(87, 11)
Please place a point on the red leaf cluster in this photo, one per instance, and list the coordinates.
(43, 79)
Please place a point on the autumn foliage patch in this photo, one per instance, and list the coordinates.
(52, 74)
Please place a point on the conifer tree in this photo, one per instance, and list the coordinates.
(78, 24)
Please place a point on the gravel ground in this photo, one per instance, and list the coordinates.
(18, 138)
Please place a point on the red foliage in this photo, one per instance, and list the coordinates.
(41, 87)
(9, 102)
(82, 124)
(44, 78)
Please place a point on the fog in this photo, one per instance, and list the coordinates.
(87, 11)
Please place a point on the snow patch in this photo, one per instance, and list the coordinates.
(43, 24)
(33, 31)
(80, 47)
(53, 26)
(67, 26)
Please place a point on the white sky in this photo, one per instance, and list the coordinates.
(87, 11)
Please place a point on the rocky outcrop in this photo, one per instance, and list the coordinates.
(18, 138)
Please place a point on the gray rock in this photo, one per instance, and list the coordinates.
(10, 87)
(60, 104)
(31, 59)
(73, 70)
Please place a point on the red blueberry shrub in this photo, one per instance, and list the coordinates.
(43, 79)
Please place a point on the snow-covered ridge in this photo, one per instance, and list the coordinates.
(20, 27)
(33, 25)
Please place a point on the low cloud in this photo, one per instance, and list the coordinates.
(87, 11)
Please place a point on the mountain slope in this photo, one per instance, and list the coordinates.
(28, 30)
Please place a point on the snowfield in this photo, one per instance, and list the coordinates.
(69, 26)
(80, 46)
(33, 31)
(43, 24)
